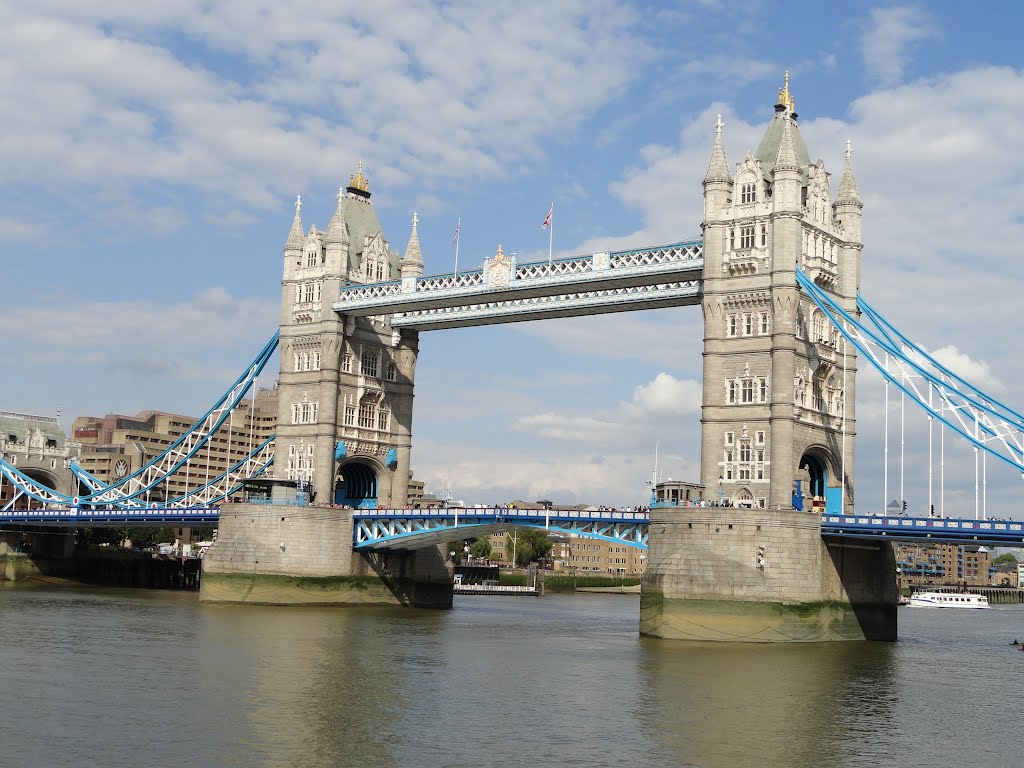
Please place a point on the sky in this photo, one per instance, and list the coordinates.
(152, 152)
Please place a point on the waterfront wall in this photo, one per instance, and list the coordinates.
(755, 575)
(291, 555)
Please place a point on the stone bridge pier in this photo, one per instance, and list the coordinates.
(742, 575)
(303, 555)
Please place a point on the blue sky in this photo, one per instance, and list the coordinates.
(151, 155)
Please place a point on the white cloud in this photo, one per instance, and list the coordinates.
(663, 399)
(12, 229)
(886, 43)
(665, 396)
(976, 372)
(105, 96)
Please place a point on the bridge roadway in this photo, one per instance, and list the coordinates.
(397, 529)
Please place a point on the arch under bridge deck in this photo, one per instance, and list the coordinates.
(401, 529)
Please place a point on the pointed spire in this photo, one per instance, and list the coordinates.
(295, 237)
(718, 168)
(847, 184)
(786, 158)
(412, 263)
(336, 228)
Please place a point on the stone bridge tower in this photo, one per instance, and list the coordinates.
(346, 384)
(776, 373)
(777, 420)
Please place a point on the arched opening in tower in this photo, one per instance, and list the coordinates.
(23, 500)
(817, 473)
(356, 486)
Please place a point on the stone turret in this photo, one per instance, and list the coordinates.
(293, 245)
(848, 210)
(412, 263)
(338, 241)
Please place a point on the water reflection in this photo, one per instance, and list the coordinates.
(736, 705)
(120, 678)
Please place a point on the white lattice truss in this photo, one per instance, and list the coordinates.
(414, 529)
(572, 277)
(980, 419)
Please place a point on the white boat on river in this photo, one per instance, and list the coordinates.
(948, 600)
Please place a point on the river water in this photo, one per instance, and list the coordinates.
(111, 677)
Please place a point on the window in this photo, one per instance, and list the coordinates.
(390, 370)
(346, 361)
(304, 413)
(383, 420)
(764, 391)
(818, 326)
(745, 452)
(730, 437)
(732, 392)
(748, 192)
(748, 325)
(759, 437)
(764, 322)
(748, 391)
(370, 363)
(732, 325)
(350, 413)
(367, 415)
(732, 239)
(311, 257)
(746, 237)
(764, 235)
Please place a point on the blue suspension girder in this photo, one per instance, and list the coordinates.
(413, 529)
(977, 417)
(130, 490)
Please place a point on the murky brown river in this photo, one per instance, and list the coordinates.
(131, 678)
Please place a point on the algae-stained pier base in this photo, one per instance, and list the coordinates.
(275, 554)
(747, 575)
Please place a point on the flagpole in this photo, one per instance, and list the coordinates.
(551, 232)
(458, 228)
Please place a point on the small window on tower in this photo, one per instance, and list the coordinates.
(748, 193)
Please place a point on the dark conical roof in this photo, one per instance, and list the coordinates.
(768, 149)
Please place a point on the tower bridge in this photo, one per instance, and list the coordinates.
(777, 409)
(776, 273)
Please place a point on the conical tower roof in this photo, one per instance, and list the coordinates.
(295, 238)
(768, 150)
(336, 228)
(847, 184)
(718, 168)
(412, 251)
(786, 158)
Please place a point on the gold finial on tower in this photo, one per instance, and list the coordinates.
(358, 181)
(785, 97)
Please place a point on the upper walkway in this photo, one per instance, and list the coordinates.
(504, 291)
